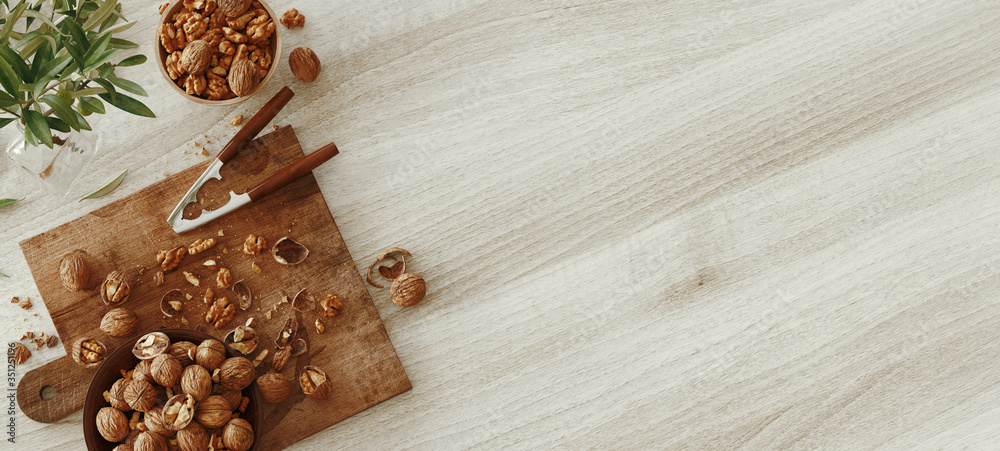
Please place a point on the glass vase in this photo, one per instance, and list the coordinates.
(55, 169)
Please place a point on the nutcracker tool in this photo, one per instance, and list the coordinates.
(288, 174)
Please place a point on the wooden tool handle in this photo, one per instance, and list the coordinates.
(293, 171)
(255, 124)
(69, 382)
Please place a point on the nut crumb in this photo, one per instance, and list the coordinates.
(221, 233)
(204, 152)
(14, 300)
(25, 304)
(165, 174)
(320, 328)
(163, 7)
(236, 121)
(275, 127)
(158, 278)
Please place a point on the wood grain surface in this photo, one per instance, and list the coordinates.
(644, 224)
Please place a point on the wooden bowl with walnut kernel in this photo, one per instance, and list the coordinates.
(123, 358)
(221, 50)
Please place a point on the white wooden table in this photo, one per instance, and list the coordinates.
(695, 224)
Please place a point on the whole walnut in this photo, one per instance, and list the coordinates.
(74, 272)
(274, 387)
(154, 421)
(194, 437)
(119, 322)
(184, 351)
(195, 59)
(124, 447)
(213, 412)
(281, 357)
(147, 441)
(142, 371)
(112, 424)
(211, 353)
(116, 395)
(166, 370)
(140, 395)
(233, 397)
(197, 382)
(243, 77)
(234, 8)
(237, 435)
(236, 373)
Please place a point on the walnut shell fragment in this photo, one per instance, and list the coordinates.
(393, 254)
(242, 294)
(289, 252)
(287, 332)
(172, 303)
(151, 345)
(303, 301)
(299, 347)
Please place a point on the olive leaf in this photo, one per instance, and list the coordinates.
(4, 275)
(6, 202)
(108, 186)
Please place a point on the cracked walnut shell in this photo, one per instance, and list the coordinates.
(88, 352)
(116, 288)
(314, 383)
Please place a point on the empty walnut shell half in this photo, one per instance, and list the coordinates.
(394, 254)
(289, 252)
(151, 345)
(299, 347)
(172, 303)
(303, 301)
(116, 288)
(242, 339)
(242, 294)
(287, 333)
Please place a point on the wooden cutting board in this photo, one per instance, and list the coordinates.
(354, 351)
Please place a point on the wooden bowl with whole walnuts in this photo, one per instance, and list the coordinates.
(218, 52)
(187, 391)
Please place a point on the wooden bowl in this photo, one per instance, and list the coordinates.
(122, 358)
(161, 56)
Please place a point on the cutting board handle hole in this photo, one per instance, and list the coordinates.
(48, 393)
